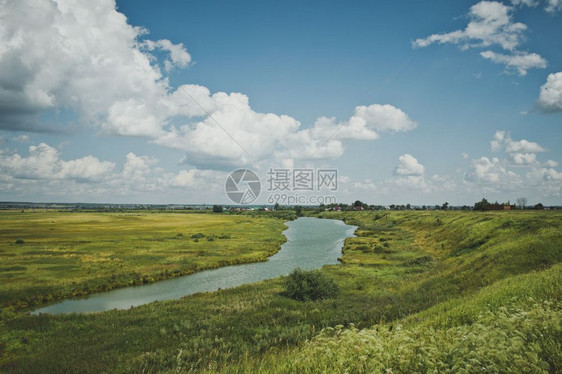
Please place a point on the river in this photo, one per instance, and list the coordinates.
(311, 243)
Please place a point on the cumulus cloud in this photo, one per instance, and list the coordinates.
(524, 158)
(178, 54)
(521, 61)
(110, 77)
(553, 5)
(550, 98)
(502, 140)
(531, 3)
(44, 162)
(22, 138)
(549, 174)
(136, 168)
(550, 6)
(45, 174)
(491, 24)
(233, 133)
(104, 75)
(408, 165)
(484, 170)
(494, 174)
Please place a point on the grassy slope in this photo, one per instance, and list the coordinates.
(430, 270)
(494, 281)
(68, 254)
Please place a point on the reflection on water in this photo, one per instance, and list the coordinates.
(311, 243)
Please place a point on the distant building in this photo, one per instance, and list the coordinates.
(499, 207)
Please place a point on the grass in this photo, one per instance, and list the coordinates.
(419, 291)
(47, 256)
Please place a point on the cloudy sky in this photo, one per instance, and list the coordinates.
(156, 102)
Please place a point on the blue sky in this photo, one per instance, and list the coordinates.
(436, 101)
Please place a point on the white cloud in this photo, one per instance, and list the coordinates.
(136, 168)
(531, 3)
(44, 162)
(233, 133)
(22, 138)
(521, 61)
(178, 54)
(502, 140)
(484, 170)
(408, 165)
(499, 137)
(553, 5)
(494, 175)
(110, 77)
(185, 178)
(524, 158)
(523, 146)
(550, 6)
(104, 75)
(490, 24)
(550, 174)
(550, 98)
(542, 177)
(44, 174)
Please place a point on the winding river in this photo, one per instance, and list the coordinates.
(311, 243)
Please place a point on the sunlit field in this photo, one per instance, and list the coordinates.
(68, 254)
(419, 291)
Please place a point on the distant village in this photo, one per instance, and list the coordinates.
(482, 205)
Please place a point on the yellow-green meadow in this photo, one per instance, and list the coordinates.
(419, 291)
(62, 254)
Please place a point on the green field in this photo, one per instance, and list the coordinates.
(69, 254)
(419, 292)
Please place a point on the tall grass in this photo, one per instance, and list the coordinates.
(450, 291)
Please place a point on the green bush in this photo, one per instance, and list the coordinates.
(310, 285)
(197, 236)
(20, 241)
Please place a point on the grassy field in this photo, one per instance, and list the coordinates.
(419, 292)
(69, 254)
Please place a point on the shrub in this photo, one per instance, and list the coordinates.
(197, 236)
(310, 285)
(20, 241)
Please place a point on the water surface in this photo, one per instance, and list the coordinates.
(311, 243)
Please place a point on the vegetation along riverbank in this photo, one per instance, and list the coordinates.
(418, 291)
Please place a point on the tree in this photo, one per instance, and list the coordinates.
(298, 210)
(217, 208)
(445, 206)
(539, 206)
(521, 202)
(276, 207)
(481, 205)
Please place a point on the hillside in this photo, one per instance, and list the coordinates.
(420, 291)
